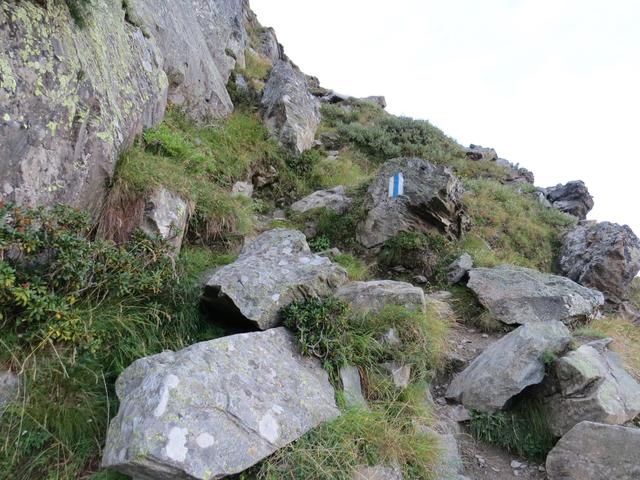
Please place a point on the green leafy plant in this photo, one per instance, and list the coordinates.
(320, 243)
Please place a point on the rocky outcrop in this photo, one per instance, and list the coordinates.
(591, 384)
(165, 216)
(335, 199)
(215, 408)
(200, 46)
(572, 198)
(411, 194)
(477, 153)
(604, 256)
(592, 451)
(459, 268)
(275, 269)
(508, 366)
(517, 295)
(289, 111)
(373, 296)
(9, 386)
(71, 99)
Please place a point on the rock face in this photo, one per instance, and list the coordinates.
(166, 216)
(508, 366)
(517, 295)
(459, 268)
(275, 269)
(605, 256)
(477, 153)
(289, 111)
(429, 197)
(9, 386)
(592, 451)
(371, 297)
(71, 99)
(200, 46)
(592, 385)
(215, 408)
(573, 198)
(334, 199)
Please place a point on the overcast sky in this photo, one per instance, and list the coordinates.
(553, 85)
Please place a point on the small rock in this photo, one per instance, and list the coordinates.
(352, 388)
(165, 216)
(485, 335)
(9, 387)
(242, 189)
(420, 279)
(459, 268)
(377, 473)
(516, 464)
(476, 153)
(401, 374)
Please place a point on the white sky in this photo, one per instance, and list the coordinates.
(553, 85)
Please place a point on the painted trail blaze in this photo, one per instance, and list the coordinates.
(396, 185)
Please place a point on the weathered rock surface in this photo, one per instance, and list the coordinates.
(373, 296)
(572, 198)
(9, 386)
(476, 153)
(352, 386)
(165, 216)
(459, 268)
(431, 200)
(508, 366)
(604, 256)
(289, 111)
(592, 385)
(242, 189)
(335, 199)
(275, 269)
(377, 473)
(200, 46)
(517, 295)
(593, 451)
(71, 99)
(215, 408)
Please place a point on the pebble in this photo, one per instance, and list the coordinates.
(517, 464)
(485, 335)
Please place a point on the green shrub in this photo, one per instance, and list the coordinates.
(320, 243)
(357, 269)
(327, 330)
(522, 429)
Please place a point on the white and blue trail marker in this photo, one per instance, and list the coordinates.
(396, 185)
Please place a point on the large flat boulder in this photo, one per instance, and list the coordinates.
(593, 451)
(604, 256)
(335, 199)
(72, 99)
(508, 366)
(274, 270)
(373, 296)
(289, 111)
(593, 385)
(517, 295)
(215, 408)
(572, 198)
(200, 46)
(411, 194)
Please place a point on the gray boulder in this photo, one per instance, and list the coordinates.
(591, 384)
(274, 270)
(430, 199)
(572, 198)
(459, 268)
(215, 408)
(508, 366)
(166, 215)
(72, 99)
(517, 295)
(592, 451)
(378, 100)
(604, 256)
(200, 46)
(289, 111)
(373, 296)
(9, 387)
(242, 189)
(476, 153)
(334, 199)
